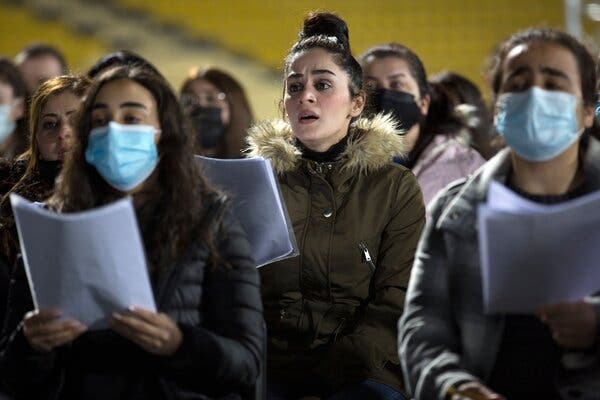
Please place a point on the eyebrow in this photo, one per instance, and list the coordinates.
(55, 115)
(313, 72)
(544, 69)
(518, 71)
(122, 105)
(554, 72)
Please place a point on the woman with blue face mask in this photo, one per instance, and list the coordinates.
(206, 338)
(544, 85)
(13, 127)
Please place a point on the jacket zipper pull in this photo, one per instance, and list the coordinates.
(319, 169)
(366, 255)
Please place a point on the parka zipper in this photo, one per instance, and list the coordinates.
(366, 255)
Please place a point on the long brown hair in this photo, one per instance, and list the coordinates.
(169, 207)
(241, 117)
(76, 84)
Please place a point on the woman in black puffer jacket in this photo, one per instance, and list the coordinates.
(206, 339)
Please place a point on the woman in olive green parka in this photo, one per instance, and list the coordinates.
(332, 311)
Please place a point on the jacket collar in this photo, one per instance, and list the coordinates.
(372, 143)
(459, 216)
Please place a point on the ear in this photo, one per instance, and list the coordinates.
(18, 108)
(358, 104)
(588, 116)
(424, 104)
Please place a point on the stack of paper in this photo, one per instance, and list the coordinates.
(534, 254)
(85, 264)
(257, 203)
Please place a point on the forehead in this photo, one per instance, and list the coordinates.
(386, 66)
(312, 59)
(47, 62)
(123, 90)
(61, 102)
(538, 54)
(201, 86)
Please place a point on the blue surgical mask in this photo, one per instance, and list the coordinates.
(538, 124)
(6, 125)
(125, 155)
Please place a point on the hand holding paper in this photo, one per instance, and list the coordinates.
(573, 325)
(87, 264)
(45, 332)
(533, 255)
(156, 333)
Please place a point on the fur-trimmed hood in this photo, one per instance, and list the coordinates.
(372, 144)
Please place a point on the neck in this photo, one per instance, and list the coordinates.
(552, 177)
(328, 155)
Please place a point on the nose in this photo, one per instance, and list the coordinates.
(307, 96)
(65, 132)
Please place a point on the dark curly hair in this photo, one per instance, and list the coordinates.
(330, 32)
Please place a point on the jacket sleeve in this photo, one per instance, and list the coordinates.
(429, 342)
(225, 351)
(22, 369)
(372, 342)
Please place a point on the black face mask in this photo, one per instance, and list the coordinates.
(401, 105)
(208, 125)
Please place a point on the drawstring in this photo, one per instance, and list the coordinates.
(338, 329)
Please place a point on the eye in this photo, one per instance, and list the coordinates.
(517, 83)
(396, 85)
(554, 85)
(131, 119)
(98, 121)
(294, 87)
(322, 85)
(50, 125)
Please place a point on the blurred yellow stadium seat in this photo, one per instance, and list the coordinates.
(19, 26)
(447, 34)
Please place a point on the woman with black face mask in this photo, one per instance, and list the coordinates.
(438, 151)
(218, 110)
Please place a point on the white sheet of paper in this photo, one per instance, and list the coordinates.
(257, 203)
(86, 264)
(534, 255)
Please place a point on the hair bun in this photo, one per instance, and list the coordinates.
(325, 24)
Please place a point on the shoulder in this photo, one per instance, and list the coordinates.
(17, 169)
(445, 196)
(372, 145)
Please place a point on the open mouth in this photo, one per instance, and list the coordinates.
(307, 117)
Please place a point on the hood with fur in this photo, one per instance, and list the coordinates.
(372, 143)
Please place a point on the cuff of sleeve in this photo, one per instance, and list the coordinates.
(594, 301)
(453, 379)
(180, 359)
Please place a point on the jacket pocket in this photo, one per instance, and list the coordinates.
(366, 256)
